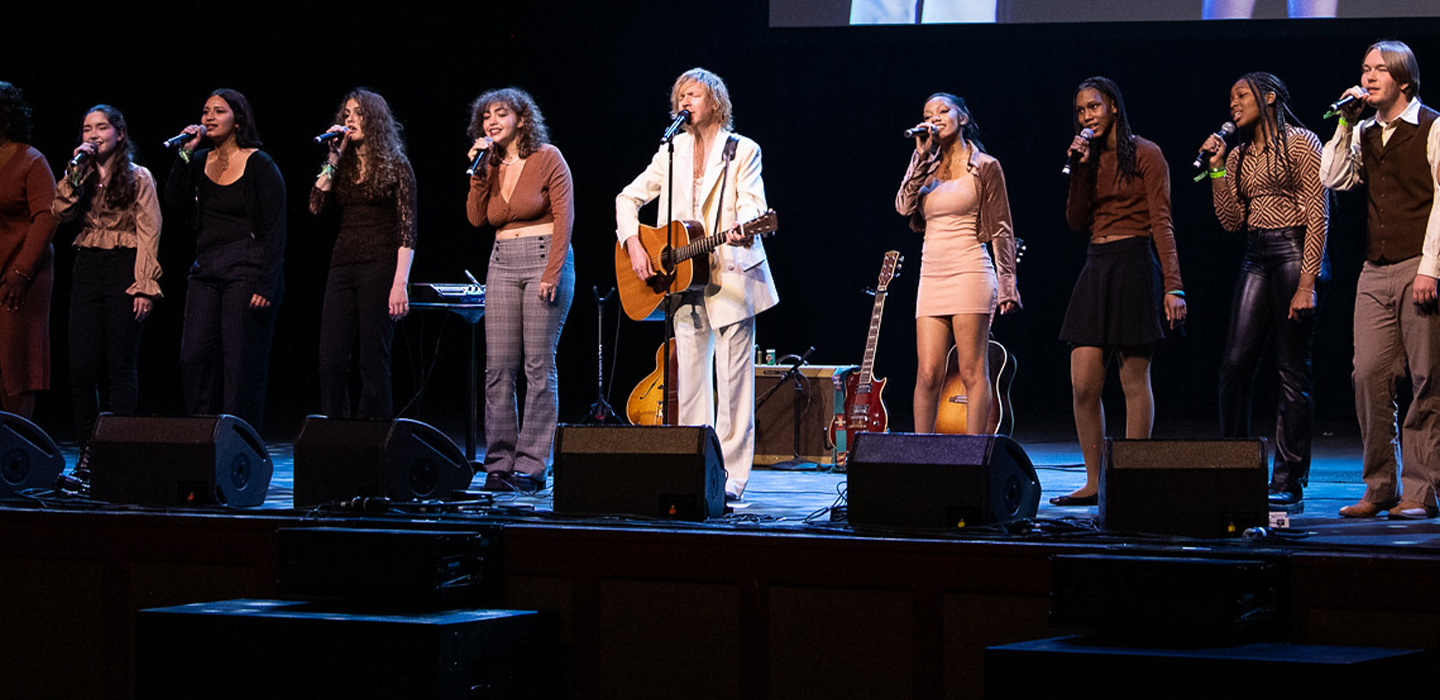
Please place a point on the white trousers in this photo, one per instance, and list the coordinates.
(730, 352)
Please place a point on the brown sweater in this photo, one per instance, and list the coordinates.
(543, 194)
(1101, 204)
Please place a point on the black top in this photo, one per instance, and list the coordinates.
(376, 218)
(264, 195)
(223, 219)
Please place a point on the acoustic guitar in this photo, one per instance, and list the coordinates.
(644, 406)
(675, 269)
(954, 410)
(864, 408)
(952, 415)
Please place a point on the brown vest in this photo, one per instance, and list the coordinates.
(1399, 188)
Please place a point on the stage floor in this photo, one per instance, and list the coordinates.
(800, 501)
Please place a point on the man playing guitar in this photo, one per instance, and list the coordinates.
(716, 182)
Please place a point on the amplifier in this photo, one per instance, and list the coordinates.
(822, 396)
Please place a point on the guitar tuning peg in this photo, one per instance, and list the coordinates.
(868, 291)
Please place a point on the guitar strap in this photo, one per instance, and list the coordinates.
(726, 155)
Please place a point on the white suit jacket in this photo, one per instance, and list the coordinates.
(740, 281)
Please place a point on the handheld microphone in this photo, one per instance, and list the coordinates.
(322, 138)
(1074, 156)
(916, 131)
(478, 162)
(1224, 133)
(80, 159)
(1339, 104)
(181, 137)
(681, 119)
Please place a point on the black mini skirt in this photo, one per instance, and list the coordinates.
(1117, 299)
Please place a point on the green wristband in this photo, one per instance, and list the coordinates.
(1217, 174)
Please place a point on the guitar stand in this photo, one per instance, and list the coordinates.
(795, 463)
(600, 412)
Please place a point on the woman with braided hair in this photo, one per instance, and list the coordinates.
(1269, 186)
(1120, 197)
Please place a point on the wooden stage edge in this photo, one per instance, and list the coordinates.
(649, 609)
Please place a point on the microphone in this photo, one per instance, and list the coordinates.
(478, 163)
(79, 160)
(322, 138)
(1074, 157)
(916, 131)
(681, 119)
(180, 138)
(1224, 133)
(1339, 104)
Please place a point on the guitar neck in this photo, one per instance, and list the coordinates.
(867, 365)
(699, 246)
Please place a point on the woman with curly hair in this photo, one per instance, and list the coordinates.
(523, 190)
(27, 188)
(117, 270)
(1120, 198)
(1269, 186)
(236, 199)
(367, 177)
(954, 193)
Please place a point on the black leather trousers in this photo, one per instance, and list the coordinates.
(1259, 313)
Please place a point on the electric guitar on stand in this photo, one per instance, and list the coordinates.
(675, 271)
(864, 408)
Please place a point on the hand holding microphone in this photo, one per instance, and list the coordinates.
(1079, 150)
(84, 154)
(1214, 147)
(190, 136)
(922, 133)
(1349, 104)
(334, 132)
(477, 154)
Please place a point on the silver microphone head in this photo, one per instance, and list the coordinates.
(1087, 133)
(1226, 129)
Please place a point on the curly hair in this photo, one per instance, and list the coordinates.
(1124, 137)
(14, 113)
(247, 135)
(384, 147)
(121, 191)
(530, 130)
(719, 95)
(970, 131)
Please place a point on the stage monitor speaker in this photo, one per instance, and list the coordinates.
(403, 460)
(204, 460)
(673, 472)
(939, 481)
(821, 399)
(1192, 488)
(28, 457)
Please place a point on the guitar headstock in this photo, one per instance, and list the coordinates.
(889, 269)
(763, 225)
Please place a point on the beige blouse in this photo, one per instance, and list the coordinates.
(136, 226)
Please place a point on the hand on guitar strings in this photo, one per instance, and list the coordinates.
(639, 258)
(736, 236)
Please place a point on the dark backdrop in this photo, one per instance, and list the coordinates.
(826, 105)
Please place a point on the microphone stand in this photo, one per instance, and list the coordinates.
(665, 417)
(600, 411)
(796, 463)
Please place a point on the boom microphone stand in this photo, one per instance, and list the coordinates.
(796, 462)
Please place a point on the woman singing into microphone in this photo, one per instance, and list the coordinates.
(954, 193)
(369, 179)
(117, 270)
(236, 201)
(1120, 197)
(523, 190)
(1269, 186)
